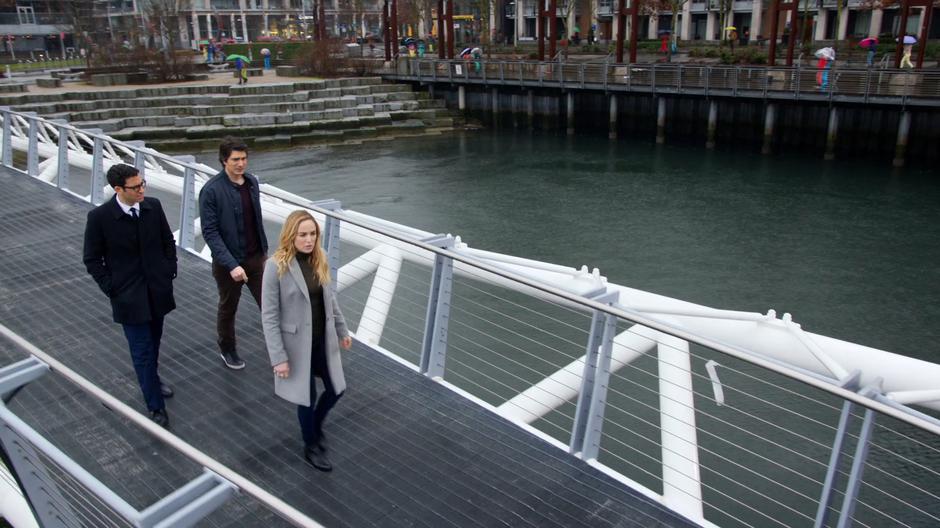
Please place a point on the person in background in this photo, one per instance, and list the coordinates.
(240, 71)
(130, 252)
(906, 58)
(232, 226)
(872, 50)
(304, 330)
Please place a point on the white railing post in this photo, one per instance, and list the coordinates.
(595, 420)
(434, 344)
(32, 144)
(97, 168)
(330, 237)
(850, 498)
(62, 170)
(187, 226)
(6, 148)
(140, 157)
(587, 401)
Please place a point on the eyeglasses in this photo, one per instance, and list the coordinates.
(135, 188)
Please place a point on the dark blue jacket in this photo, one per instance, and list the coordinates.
(220, 214)
(133, 261)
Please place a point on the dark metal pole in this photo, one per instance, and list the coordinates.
(634, 25)
(540, 28)
(441, 42)
(905, 10)
(621, 22)
(321, 23)
(449, 26)
(552, 27)
(774, 21)
(796, 30)
(924, 33)
(386, 32)
(394, 18)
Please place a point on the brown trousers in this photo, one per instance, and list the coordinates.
(229, 294)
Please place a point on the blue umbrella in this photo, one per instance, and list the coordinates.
(910, 39)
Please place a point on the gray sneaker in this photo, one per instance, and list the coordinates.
(232, 360)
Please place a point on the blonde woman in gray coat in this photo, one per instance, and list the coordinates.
(304, 330)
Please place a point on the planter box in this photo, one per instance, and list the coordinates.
(49, 83)
(287, 71)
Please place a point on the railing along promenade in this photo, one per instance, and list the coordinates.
(795, 429)
(799, 83)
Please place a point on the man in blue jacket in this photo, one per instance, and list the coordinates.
(230, 215)
(130, 252)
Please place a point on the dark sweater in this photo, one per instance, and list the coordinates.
(318, 311)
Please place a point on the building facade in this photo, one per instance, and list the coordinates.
(33, 29)
(702, 20)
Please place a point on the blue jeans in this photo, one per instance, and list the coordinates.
(144, 342)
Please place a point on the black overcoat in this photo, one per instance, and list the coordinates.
(133, 261)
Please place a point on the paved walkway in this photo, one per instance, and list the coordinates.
(215, 79)
(406, 450)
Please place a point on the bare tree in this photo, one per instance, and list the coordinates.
(79, 19)
(674, 7)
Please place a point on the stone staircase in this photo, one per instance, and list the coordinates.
(290, 113)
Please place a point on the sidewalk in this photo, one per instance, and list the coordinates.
(215, 79)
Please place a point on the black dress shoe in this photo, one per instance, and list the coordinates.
(316, 457)
(166, 391)
(160, 417)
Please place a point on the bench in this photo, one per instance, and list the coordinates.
(49, 83)
(252, 72)
(216, 67)
(67, 76)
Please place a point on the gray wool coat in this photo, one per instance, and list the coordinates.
(288, 331)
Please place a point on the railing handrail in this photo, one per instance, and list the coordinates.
(281, 508)
(913, 418)
(887, 88)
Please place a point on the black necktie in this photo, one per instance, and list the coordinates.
(134, 213)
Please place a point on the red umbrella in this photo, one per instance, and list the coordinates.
(869, 42)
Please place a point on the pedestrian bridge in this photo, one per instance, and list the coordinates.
(484, 389)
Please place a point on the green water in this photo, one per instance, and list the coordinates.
(850, 249)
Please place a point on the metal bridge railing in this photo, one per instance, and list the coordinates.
(890, 86)
(62, 493)
(723, 435)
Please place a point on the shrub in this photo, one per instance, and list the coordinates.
(327, 58)
(163, 66)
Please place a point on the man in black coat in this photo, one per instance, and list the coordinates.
(130, 252)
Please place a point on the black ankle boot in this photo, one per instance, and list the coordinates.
(316, 457)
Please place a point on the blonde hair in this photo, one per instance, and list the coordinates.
(287, 251)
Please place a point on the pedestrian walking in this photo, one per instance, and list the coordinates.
(304, 330)
(233, 228)
(130, 252)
